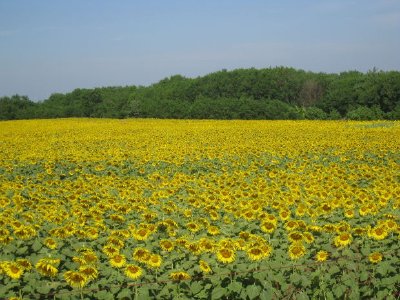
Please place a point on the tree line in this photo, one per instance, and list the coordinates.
(270, 93)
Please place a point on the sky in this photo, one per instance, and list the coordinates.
(55, 46)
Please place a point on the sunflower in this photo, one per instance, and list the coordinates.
(321, 255)
(141, 234)
(116, 242)
(296, 250)
(343, 239)
(204, 267)
(206, 245)
(378, 233)
(154, 261)
(308, 237)
(47, 266)
(24, 263)
(75, 279)
(213, 230)
(284, 215)
(295, 236)
(268, 227)
(118, 261)
(13, 270)
(255, 253)
(110, 250)
(375, 257)
(89, 256)
(225, 255)
(193, 227)
(349, 213)
(194, 247)
(391, 225)
(179, 276)
(25, 232)
(291, 225)
(133, 271)
(166, 245)
(266, 249)
(50, 243)
(90, 272)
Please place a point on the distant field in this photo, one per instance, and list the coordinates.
(137, 209)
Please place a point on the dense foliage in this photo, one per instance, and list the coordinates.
(199, 209)
(271, 93)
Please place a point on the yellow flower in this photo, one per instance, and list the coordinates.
(193, 227)
(75, 279)
(141, 234)
(375, 257)
(89, 271)
(268, 227)
(204, 267)
(24, 263)
(110, 250)
(50, 243)
(166, 245)
(141, 255)
(118, 261)
(255, 253)
(225, 255)
(179, 276)
(213, 230)
(321, 255)
(296, 250)
(343, 239)
(47, 266)
(295, 236)
(154, 261)
(13, 270)
(133, 271)
(378, 233)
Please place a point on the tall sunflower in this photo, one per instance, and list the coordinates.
(225, 255)
(75, 279)
(133, 271)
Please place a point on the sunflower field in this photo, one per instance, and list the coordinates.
(184, 209)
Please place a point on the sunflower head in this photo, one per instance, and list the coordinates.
(204, 267)
(133, 271)
(296, 251)
(375, 257)
(75, 279)
(225, 255)
(179, 276)
(321, 256)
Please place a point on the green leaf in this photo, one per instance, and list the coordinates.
(196, 287)
(37, 245)
(22, 250)
(266, 294)
(253, 291)
(334, 270)
(390, 281)
(339, 290)
(295, 278)
(235, 287)
(302, 296)
(364, 276)
(382, 269)
(104, 295)
(218, 292)
(43, 289)
(125, 293)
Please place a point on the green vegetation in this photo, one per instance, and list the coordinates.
(271, 93)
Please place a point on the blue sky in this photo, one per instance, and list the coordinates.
(49, 46)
